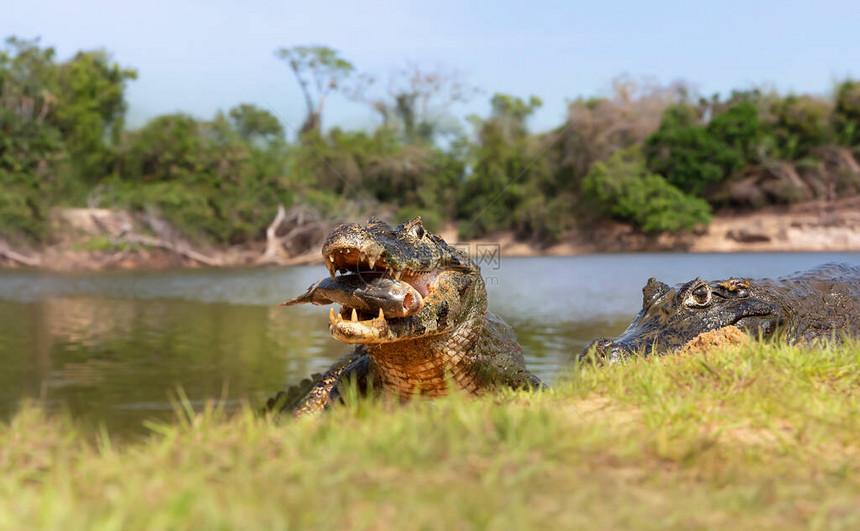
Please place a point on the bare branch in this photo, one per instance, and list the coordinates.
(7, 252)
(299, 242)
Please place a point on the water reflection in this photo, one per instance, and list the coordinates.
(112, 348)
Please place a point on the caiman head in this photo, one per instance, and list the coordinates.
(672, 316)
(395, 284)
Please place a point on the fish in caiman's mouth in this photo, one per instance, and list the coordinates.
(373, 296)
(391, 283)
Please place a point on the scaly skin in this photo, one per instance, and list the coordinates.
(446, 338)
(823, 302)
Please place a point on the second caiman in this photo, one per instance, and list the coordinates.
(417, 310)
(823, 302)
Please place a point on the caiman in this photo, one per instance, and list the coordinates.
(823, 302)
(416, 309)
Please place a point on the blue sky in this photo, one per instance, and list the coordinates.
(201, 56)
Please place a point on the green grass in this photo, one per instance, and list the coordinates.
(105, 244)
(753, 436)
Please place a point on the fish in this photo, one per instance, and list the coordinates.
(364, 291)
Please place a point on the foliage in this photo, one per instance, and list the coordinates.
(692, 155)
(255, 124)
(31, 147)
(739, 128)
(625, 190)
(167, 148)
(319, 70)
(847, 112)
(597, 127)
(219, 179)
(210, 179)
(509, 176)
(372, 169)
(418, 101)
(90, 110)
(763, 434)
(803, 122)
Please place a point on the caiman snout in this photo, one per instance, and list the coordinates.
(604, 350)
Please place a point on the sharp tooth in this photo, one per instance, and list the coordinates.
(339, 316)
(331, 318)
(381, 314)
(363, 256)
(332, 270)
(397, 275)
(371, 262)
(354, 316)
(331, 258)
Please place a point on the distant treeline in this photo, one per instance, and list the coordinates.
(661, 158)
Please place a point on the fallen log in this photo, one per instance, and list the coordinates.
(6, 251)
(179, 249)
(298, 242)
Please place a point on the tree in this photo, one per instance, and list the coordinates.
(319, 71)
(30, 138)
(509, 114)
(418, 100)
(506, 172)
(597, 127)
(91, 110)
(31, 145)
(739, 128)
(167, 148)
(802, 123)
(847, 112)
(692, 155)
(624, 189)
(203, 177)
(255, 124)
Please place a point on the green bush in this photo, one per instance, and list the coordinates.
(692, 156)
(23, 214)
(625, 190)
(218, 181)
(802, 123)
(511, 180)
(847, 112)
(739, 128)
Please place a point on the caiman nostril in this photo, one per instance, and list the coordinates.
(600, 346)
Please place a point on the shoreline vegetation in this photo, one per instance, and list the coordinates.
(101, 239)
(608, 447)
(641, 167)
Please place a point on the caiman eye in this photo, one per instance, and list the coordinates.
(418, 231)
(699, 297)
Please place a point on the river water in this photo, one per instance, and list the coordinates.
(113, 348)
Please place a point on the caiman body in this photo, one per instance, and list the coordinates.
(823, 302)
(417, 310)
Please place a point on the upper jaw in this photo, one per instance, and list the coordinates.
(376, 259)
(345, 259)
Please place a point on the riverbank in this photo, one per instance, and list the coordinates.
(809, 226)
(89, 239)
(756, 435)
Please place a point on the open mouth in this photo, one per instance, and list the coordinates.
(390, 292)
(372, 294)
